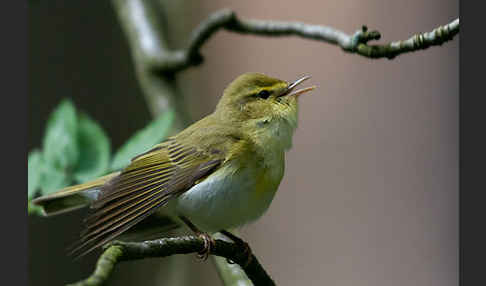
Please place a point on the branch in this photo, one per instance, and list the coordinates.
(122, 251)
(230, 274)
(356, 43)
(144, 24)
(156, 64)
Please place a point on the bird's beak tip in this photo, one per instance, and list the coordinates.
(299, 92)
(304, 90)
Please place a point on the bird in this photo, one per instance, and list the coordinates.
(219, 173)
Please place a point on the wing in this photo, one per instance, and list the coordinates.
(148, 183)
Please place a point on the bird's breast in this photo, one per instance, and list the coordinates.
(235, 194)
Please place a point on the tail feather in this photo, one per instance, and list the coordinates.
(73, 197)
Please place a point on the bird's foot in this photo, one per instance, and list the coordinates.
(208, 245)
(208, 240)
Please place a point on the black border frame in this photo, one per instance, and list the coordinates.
(472, 119)
(14, 139)
(472, 142)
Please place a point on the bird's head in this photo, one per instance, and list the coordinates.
(261, 105)
(255, 96)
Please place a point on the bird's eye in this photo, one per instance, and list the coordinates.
(263, 94)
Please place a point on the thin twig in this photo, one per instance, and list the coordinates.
(356, 43)
(122, 251)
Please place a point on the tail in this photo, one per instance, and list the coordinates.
(73, 197)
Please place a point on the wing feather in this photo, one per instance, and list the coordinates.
(149, 182)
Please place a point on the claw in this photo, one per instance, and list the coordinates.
(208, 240)
(208, 244)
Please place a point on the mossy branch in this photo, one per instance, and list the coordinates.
(123, 251)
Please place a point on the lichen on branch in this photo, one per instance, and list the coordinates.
(356, 43)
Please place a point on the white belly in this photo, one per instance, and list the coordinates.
(226, 199)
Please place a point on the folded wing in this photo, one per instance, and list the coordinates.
(148, 183)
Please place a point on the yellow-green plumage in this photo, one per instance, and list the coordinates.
(220, 172)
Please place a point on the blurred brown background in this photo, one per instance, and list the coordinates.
(370, 195)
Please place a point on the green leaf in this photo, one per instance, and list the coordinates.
(94, 150)
(144, 139)
(33, 209)
(60, 141)
(53, 179)
(35, 169)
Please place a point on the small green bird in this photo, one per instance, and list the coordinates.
(219, 173)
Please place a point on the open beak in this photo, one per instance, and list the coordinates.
(290, 89)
